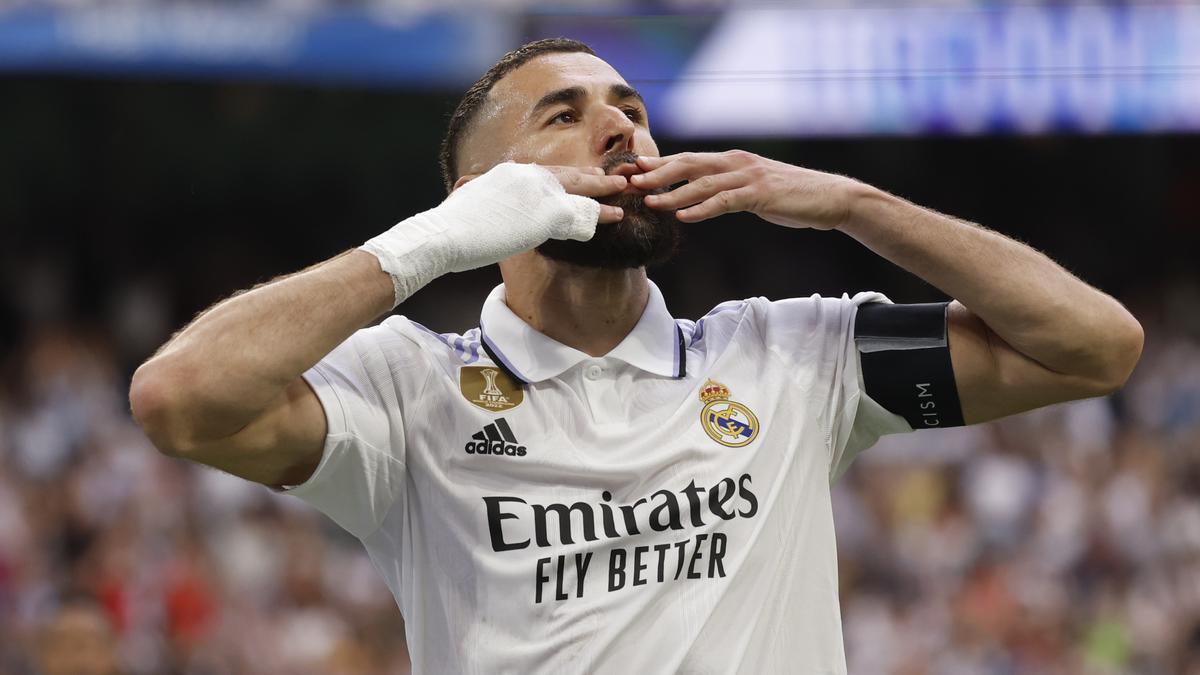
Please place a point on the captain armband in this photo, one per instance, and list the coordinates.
(905, 356)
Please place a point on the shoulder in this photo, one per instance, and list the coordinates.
(718, 322)
(464, 348)
(818, 307)
(405, 346)
(797, 329)
(762, 314)
(420, 347)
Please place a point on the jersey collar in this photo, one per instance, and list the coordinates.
(654, 345)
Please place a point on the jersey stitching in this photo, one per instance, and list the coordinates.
(367, 444)
(319, 369)
(852, 405)
(391, 459)
(400, 400)
(786, 362)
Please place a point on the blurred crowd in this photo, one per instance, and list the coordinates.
(1066, 540)
(520, 5)
(115, 559)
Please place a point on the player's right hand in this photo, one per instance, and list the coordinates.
(585, 182)
(509, 209)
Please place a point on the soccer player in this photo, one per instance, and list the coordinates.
(584, 483)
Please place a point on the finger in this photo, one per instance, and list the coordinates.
(728, 201)
(576, 182)
(611, 214)
(696, 191)
(582, 223)
(557, 168)
(676, 168)
(567, 170)
(647, 162)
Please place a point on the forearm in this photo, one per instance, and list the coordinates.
(218, 374)
(238, 358)
(1036, 306)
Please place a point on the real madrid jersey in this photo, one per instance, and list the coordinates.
(664, 508)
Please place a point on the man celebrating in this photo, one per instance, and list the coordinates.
(584, 483)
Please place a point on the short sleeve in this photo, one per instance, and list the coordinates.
(361, 473)
(817, 333)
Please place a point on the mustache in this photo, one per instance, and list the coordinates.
(620, 157)
(616, 159)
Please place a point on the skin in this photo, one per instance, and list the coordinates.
(1024, 332)
(78, 641)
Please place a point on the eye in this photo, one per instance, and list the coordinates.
(634, 114)
(566, 117)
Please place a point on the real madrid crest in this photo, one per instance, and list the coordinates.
(727, 422)
(489, 388)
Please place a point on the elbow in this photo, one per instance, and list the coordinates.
(1123, 350)
(154, 403)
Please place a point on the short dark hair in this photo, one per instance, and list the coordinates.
(472, 102)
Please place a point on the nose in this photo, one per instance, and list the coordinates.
(618, 142)
(616, 133)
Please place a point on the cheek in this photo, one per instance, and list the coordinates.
(549, 149)
(548, 155)
(644, 144)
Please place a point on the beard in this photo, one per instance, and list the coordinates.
(644, 237)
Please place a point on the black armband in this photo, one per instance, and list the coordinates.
(905, 355)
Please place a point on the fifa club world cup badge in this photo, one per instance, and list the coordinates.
(727, 422)
(489, 388)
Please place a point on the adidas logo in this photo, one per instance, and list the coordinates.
(495, 439)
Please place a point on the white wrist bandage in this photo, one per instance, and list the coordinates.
(510, 209)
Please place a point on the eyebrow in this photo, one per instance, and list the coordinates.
(624, 91)
(566, 95)
(572, 94)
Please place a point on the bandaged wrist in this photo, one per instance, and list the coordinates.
(510, 209)
(413, 252)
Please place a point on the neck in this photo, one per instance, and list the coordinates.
(588, 309)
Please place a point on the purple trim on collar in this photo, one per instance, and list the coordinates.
(500, 355)
(465, 347)
(678, 353)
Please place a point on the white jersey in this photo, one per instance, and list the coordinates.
(662, 509)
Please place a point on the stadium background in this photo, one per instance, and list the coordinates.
(143, 176)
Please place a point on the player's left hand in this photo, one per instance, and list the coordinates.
(725, 182)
